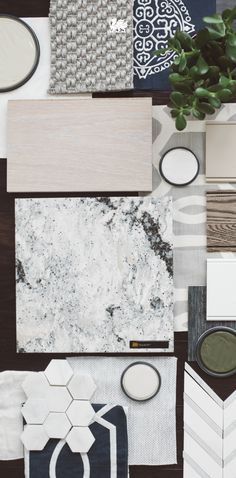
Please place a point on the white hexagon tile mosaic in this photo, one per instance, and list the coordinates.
(58, 406)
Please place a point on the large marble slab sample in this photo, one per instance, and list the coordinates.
(94, 274)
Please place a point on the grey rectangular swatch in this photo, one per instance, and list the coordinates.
(197, 323)
(91, 45)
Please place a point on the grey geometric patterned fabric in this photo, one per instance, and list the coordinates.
(189, 203)
(91, 45)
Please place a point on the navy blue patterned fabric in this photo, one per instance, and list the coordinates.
(70, 465)
(154, 22)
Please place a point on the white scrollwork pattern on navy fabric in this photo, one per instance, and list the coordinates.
(154, 22)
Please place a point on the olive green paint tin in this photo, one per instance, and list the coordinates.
(216, 352)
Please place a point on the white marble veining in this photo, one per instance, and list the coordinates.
(92, 274)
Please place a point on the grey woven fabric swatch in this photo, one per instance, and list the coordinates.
(91, 45)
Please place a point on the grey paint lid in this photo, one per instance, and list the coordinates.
(19, 52)
(140, 381)
(179, 166)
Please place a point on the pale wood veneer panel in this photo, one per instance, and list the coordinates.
(80, 145)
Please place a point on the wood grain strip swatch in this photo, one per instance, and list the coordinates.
(221, 221)
(197, 323)
(79, 145)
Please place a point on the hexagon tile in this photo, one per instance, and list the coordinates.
(34, 437)
(58, 407)
(58, 399)
(80, 413)
(80, 439)
(82, 387)
(35, 385)
(58, 372)
(57, 425)
(35, 411)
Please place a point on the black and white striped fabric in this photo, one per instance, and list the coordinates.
(107, 458)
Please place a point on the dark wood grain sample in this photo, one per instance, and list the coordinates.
(221, 221)
(197, 323)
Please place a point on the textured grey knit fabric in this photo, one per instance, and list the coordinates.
(91, 45)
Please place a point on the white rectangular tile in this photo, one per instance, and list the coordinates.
(221, 297)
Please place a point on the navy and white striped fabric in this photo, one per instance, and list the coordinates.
(107, 458)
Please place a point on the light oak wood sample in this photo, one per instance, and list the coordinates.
(221, 221)
(80, 145)
(220, 151)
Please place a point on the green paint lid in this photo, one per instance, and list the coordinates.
(216, 351)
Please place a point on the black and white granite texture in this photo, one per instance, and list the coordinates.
(93, 274)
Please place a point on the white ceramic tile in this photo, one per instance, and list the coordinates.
(58, 372)
(209, 441)
(230, 441)
(221, 297)
(80, 439)
(190, 472)
(57, 425)
(34, 437)
(202, 456)
(230, 410)
(35, 411)
(194, 420)
(82, 387)
(58, 399)
(35, 385)
(80, 413)
(203, 400)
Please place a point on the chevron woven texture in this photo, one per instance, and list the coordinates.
(209, 430)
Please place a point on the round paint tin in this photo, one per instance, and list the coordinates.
(179, 166)
(141, 381)
(216, 352)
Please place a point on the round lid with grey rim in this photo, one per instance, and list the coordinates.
(179, 166)
(140, 381)
(19, 52)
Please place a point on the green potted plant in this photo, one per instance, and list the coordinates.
(203, 74)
